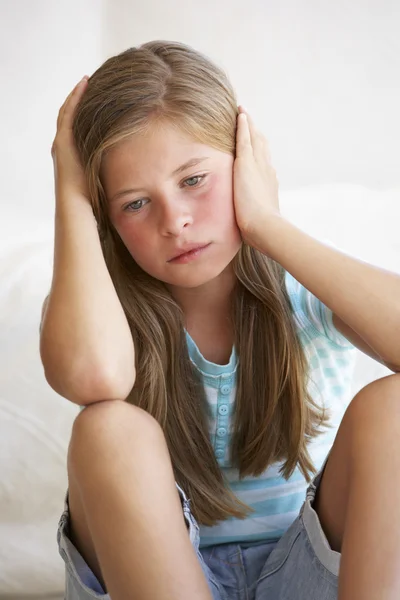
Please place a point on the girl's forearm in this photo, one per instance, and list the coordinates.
(86, 345)
(364, 296)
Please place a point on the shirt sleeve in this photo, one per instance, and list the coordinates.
(312, 315)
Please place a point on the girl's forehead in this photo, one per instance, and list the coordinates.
(158, 136)
(158, 146)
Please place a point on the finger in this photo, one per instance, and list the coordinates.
(259, 142)
(254, 134)
(263, 152)
(61, 111)
(243, 138)
(73, 97)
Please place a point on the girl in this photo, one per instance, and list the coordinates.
(211, 344)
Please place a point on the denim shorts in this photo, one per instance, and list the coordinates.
(300, 566)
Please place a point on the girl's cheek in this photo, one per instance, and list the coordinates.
(220, 190)
(222, 182)
(116, 217)
(129, 232)
(123, 224)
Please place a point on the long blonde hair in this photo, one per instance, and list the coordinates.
(274, 415)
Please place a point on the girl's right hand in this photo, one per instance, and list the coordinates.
(69, 174)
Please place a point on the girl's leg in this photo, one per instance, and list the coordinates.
(358, 501)
(126, 514)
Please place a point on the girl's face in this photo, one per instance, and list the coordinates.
(166, 194)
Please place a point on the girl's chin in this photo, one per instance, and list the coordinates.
(197, 280)
(190, 283)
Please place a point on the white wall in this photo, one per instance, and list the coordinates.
(321, 80)
(46, 46)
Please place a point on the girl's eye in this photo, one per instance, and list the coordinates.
(135, 206)
(196, 180)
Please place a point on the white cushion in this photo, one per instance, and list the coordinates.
(35, 425)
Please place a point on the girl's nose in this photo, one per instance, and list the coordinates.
(175, 217)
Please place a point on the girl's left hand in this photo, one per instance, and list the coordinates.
(255, 184)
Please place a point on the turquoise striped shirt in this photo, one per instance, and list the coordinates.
(276, 501)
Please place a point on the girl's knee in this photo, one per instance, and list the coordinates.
(389, 385)
(110, 425)
(108, 415)
(376, 406)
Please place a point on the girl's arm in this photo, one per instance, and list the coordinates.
(85, 343)
(365, 299)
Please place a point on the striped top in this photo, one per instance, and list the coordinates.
(276, 501)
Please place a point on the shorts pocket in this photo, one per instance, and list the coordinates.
(191, 523)
(330, 559)
(80, 581)
(280, 553)
(293, 570)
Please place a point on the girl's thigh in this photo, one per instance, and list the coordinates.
(302, 566)
(80, 581)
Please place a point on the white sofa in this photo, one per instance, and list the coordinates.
(35, 422)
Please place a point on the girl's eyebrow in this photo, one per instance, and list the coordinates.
(190, 163)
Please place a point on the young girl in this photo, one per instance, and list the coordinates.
(211, 344)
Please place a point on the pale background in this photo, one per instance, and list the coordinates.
(321, 80)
